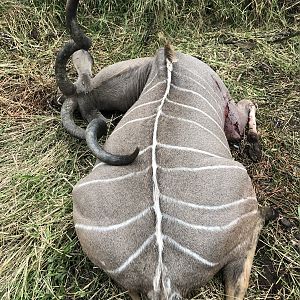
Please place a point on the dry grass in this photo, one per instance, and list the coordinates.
(40, 257)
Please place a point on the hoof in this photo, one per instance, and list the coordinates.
(254, 150)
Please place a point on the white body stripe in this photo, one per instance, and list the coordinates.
(189, 252)
(132, 121)
(98, 165)
(156, 167)
(96, 228)
(199, 110)
(198, 83)
(209, 228)
(206, 207)
(153, 87)
(132, 257)
(188, 149)
(201, 78)
(199, 125)
(149, 83)
(141, 105)
(217, 167)
(198, 95)
(112, 179)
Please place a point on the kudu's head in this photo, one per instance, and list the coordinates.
(82, 90)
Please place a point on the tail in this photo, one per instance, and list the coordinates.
(170, 54)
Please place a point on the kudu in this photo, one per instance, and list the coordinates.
(166, 218)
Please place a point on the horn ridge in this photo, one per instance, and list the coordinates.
(98, 127)
(67, 118)
(77, 34)
(62, 80)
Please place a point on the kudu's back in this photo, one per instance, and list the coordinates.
(170, 220)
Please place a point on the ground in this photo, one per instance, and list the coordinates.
(258, 58)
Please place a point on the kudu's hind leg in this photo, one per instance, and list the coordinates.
(237, 273)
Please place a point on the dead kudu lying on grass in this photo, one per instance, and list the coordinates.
(165, 218)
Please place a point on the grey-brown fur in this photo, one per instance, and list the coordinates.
(113, 202)
(164, 222)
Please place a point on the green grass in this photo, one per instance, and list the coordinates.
(40, 257)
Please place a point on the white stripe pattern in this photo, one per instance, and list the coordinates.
(153, 87)
(171, 147)
(199, 125)
(187, 149)
(158, 198)
(142, 105)
(176, 169)
(132, 121)
(99, 229)
(201, 78)
(199, 110)
(206, 207)
(209, 228)
(189, 252)
(196, 169)
(132, 257)
(198, 95)
(106, 180)
(149, 83)
(198, 83)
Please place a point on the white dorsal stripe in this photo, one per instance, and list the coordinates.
(156, 192)
(199, 95)
(106, 180)
(198, 110)
(132, 257)
(188, 149)
(196, 169)
(206, 207)
(132, 121)
(203, 79)
(141, 105)
(99, 229)
(198, 83)
(189, 252)
(141, 152)
(153, 87)
(209, 228)
(199, 125)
